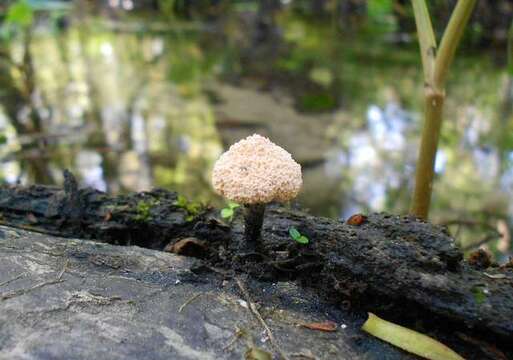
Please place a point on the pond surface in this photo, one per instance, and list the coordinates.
(134, 101)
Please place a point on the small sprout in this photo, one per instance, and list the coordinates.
(143, 210)
(296, 235)
(228, 212)
(181, 201)
(408, 340)
(192, 208)
(480, 293)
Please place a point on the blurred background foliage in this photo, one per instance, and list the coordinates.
(132, 95)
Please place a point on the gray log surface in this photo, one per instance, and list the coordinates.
(75, 299)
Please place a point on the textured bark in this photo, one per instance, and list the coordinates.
(404, 269)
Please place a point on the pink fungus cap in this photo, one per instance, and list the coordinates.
(256, 171)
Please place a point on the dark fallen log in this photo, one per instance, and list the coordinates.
(400, 267)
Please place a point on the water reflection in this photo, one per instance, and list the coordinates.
(130, 105)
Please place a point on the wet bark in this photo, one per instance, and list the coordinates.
(399, 267)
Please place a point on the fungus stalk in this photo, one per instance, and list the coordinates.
(253, 221)
(253, 173)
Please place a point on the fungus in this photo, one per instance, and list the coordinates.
(254, 172)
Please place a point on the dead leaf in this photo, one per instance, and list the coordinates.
(408, 340)
(480, 259)
(328, 326)
(356, 219)
(188, 247)
(108, 216)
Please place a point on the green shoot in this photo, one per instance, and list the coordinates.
(144, 210)
(297, 236)
(479, 293)
(192, 208)
(228, 212)
(435, 63)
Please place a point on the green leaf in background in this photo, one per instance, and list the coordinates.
(317, 102)
(233, 205)
(20, 13)
(3, 139)
(378, 8)
(294, 233)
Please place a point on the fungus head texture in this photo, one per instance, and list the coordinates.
(256, 171)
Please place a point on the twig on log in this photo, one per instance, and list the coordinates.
(255, 312)
(236, 335)
(191, 299)
(19, 292)
(13, 279)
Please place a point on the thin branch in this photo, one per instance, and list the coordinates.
(236, 335)
(19, 292)
(191, 299)
(13, 279)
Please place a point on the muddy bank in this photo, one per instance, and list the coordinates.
(399, 267)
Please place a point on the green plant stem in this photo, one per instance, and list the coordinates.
(426, 36)
(436, 67)
(425, 173)
(450, 40)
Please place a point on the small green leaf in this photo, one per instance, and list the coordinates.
(3, 139)
(302, 240)
(226, 213)
(479, 294)
(233, 205)
(181, 201)
(294, 233)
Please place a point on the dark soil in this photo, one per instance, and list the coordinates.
(401, 268)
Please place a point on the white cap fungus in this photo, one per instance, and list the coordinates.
(255, 170)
